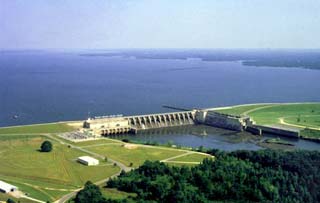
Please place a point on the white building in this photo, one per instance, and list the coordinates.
(108, 126)
(6, 187)
(87, 160)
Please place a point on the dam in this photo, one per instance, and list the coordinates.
(119, 124)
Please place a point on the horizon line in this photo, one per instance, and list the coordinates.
(102, 49)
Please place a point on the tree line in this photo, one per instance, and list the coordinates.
(240, 176)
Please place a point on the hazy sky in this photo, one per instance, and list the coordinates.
(159, 24)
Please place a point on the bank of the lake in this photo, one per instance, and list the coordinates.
(271, 114)
(51, 86)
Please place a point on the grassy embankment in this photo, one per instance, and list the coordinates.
(136, 155)
(45, 176)
(48, 176)
(304, 116)
(38, 128)
(5, 197)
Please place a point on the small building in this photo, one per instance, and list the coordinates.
(108, 125)
(112, 122)
(87, 160)
(6, 187)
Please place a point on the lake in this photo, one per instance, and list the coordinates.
(48, 86)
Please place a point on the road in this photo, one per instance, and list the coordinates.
(121, 165)
(68, 196)
(282, 121)
(178, 156)
(73, 193)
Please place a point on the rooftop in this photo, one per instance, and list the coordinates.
(87, 159)
(6, 186)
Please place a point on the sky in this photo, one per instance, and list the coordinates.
(109, 24)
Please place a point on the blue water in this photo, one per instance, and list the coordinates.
(210, 137)
(46, 86)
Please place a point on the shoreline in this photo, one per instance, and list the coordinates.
(213, 108)
(78, 123)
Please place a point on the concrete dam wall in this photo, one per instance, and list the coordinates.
(225, 121)
(132, 124)
(112, 125)
(161, 120)
(278, 131)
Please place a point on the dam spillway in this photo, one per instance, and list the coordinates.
(112, 125)
(131, 124)
(162, 120)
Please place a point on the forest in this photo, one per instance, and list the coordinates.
(240, 176)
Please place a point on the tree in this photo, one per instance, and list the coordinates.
(240, 176)
(10, 201)
(90, 193)
(46, 146)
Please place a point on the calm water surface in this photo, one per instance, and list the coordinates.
(55, 86)
(210, 137)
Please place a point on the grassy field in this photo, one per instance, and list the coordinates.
(39, 128)
(303, 115)
(48, 176)
(112, 193)
(192, 158)
(136, 156)
(242, 109)
(298, 116)
(4, 197)
(97, 142)
(41, 173)
(309, 133)
(312, 120)
(271, 115)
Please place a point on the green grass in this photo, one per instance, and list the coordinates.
(29, 190)
(39, 128)
(272, 114)
(192, 158)
(239, 110)
(22, 163)
(300, 115)
(96, 142)
(136, 156)
(305, 120)
(310, 133)
(111, 193)
(43, 175)
(4, 197)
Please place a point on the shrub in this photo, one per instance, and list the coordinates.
(46, 146)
